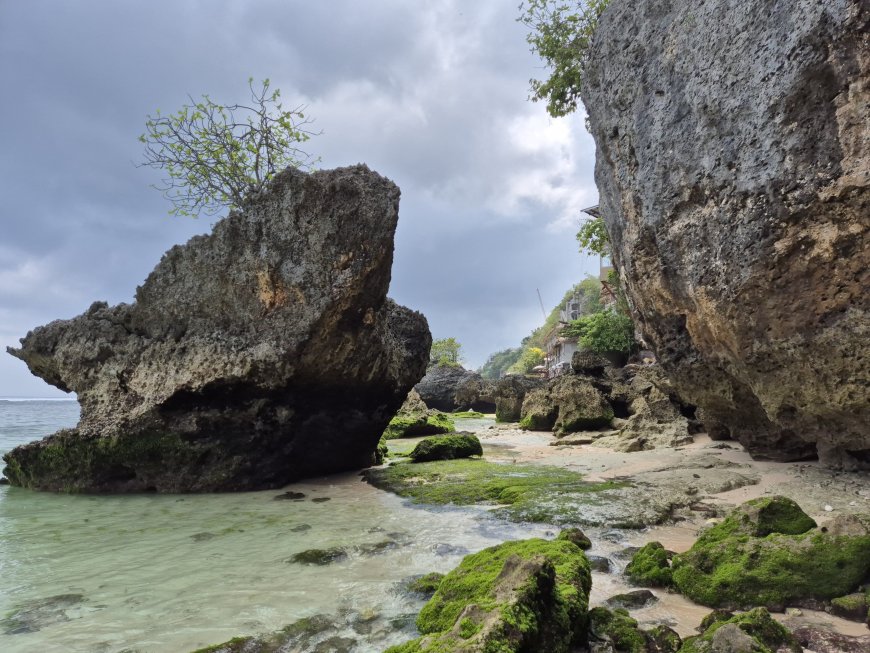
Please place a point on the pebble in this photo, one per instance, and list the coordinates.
(828, 508)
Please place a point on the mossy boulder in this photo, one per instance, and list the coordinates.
(566, 404)
(730, 567)
(320, 557)
(761, 517)
(527, 595)
(447, 447)
(576, 536)
(424, 585)
(415, 425)
(754, 632)
(651, 566)
(854, 606)
(616, 629)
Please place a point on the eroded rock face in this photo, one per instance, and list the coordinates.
(734, 172)
(261, 353)
(452, 387)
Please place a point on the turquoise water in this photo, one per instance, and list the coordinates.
(158, 573)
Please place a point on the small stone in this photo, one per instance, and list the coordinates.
(291, 496)
(828, 508)
(633, 600)
(794, 612)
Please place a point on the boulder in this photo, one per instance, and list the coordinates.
(588, 363)
(751, 632)
(525, 595)
(566, 404)
(510, 391)
(447, 447)
(734, 179)
(768, 552)
(414, 419)
(442, 383)
(261, 353)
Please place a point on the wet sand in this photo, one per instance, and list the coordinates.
(821, 492)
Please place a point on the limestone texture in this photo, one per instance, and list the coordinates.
(526, 595)
(452, 387)
(734, 173)
(261, 353)
(510, 391)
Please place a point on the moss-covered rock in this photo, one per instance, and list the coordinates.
(566, 404)
(294, 637)
(663, 639)
(468, 414)
(424, 585)
(415, 425)
(576, 536)
(633, 600)
(761, 517)
(447, 447)
(651, 566)
(537, 493)
(319, 557)
(527, 595)
(732, 568)
(617, 628)
(754, 631)
(855, 606)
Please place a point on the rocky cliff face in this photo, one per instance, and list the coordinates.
(264, 352)
(452, 387)
(733, 161)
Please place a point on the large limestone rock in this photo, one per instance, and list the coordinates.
(733, 162)
(262, 353)
(452, 387)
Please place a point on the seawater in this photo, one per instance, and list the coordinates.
(172, 573)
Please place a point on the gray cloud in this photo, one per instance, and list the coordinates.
(430, 94)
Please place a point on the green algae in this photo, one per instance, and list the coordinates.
(517, 596)
(731, 567)
(298, 633)
(414, 425)
(318, 556)
(768, 634)
(618, 628)
(534, 493)
(467, 414)
(761, 517)
(576, 536)
(447, 447)
(426, 584)
(650, 566)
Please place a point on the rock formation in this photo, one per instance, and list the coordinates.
(262, 353)
(734, 171)
(510, 392)
(452, 387)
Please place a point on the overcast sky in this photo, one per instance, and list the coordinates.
(431, 94)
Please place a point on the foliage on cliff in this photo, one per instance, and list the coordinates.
(561, 34)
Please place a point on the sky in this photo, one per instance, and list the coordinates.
(432, 95)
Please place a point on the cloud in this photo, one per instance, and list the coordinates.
(433, 95)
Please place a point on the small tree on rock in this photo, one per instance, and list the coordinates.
(215, 155)
(446, 351)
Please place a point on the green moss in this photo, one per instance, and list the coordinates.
(757, 623)
(529, 594)
(650, 566)
(580, 422)
(728, 567)
(425, 584)
(299, 633)
(319, 556)
(447, 447)
(527, 492)
(618, 628)
(761, 517)
(72, 462)
(467, 414)
(534, 421)
(665, 639)
(576, 536)
(409, 426)
(852, 606)
(382, 452)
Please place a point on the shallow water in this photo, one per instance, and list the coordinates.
(173, 573)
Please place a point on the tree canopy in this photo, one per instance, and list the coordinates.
(607, 331)
(560, 33)
(593, 237)
(215, 155)
(446, 351)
